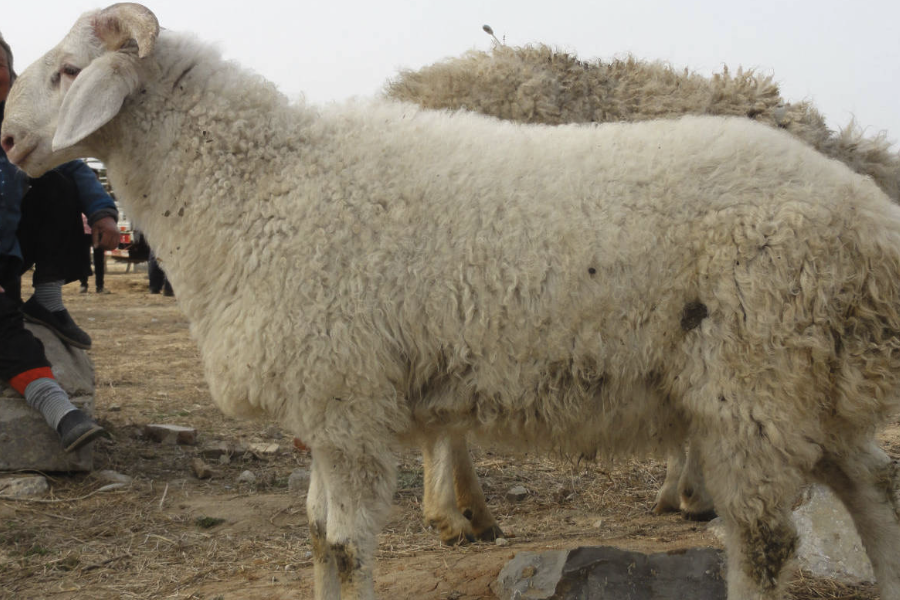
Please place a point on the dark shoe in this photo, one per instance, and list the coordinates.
(59, 322)
(101, 290)
(84, 288)
(77, 429)
(155, 290)
(168, 291)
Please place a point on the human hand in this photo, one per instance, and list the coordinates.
(105, 234)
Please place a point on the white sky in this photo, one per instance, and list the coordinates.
(842, 55)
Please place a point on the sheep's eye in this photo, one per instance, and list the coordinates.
(70, 71)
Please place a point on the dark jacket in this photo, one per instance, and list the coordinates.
(14, 185)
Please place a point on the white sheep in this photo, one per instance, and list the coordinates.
(537, 84)
(376, 273)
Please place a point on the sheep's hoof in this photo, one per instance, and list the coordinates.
(459, 539)
(662, 507)
(706, 515)
(490, 534)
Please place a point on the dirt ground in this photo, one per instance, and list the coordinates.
(171, 535)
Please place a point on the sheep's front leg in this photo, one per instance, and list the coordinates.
(360, 483)
(867, 483)
(469, 496)
(439, 499)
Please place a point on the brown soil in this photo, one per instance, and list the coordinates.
(150, 539)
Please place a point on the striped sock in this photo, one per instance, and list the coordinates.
(49, 295)
(45, 396)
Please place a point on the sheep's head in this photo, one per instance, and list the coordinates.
(71, 92)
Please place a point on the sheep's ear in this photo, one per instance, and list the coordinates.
(97, 93)
(94, 98)
(120, 23)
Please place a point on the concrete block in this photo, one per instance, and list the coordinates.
(26, 441)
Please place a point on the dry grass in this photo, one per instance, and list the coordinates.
(159, 536)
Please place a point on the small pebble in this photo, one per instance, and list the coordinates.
(517, 493)
(247, 477)
(112, 477)
(201, 469)
(299, 480)
(502, 542)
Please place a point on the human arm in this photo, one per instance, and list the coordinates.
(105, 233)
(96, 204)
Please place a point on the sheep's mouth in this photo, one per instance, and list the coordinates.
(18, 154)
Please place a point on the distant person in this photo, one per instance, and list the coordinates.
(87, 246)
(95, 256)
(99, 269)
(42, 226)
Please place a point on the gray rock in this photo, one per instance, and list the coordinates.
(606, 572)
(273, 432)
(24, 486)
(829, 544)
(517, 493)
(299, 481)
(26, 441)
(108, 476)
(247, 477)
(171, 434)
(214, 450)
(263, 450)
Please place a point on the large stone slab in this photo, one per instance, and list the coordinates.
(829, 544)
(26, 441)
(607, 573)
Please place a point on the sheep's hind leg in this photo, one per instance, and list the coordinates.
(684, 488)
(325, 574)
(867, 483)
(695, 502)
(753, 495)
(439, 498)
(360, 484)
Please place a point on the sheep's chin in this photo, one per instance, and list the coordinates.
(31, 159)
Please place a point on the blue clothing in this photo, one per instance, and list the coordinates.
(92, 198)
(13, 185)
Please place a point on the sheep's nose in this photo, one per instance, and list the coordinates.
(7, 142)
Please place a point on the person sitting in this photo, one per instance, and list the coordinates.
(37, 226)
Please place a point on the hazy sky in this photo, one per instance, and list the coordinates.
(842, 55)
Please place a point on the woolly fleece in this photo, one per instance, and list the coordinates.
(537, 84)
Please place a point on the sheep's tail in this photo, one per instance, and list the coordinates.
(870, 156)
(867, 345)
